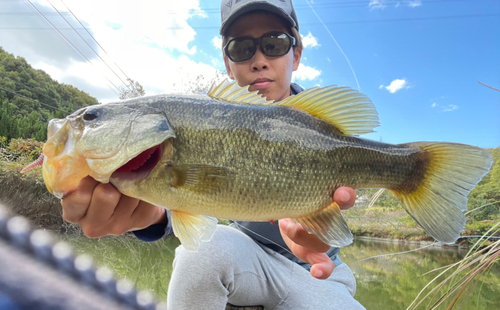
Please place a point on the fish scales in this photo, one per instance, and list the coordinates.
(234, 155)
(275, 175)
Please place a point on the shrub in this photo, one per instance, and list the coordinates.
(29, 148)
(478, 227)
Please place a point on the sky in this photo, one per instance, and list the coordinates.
(420, 62)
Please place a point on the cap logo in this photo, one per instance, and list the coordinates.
(229, 4)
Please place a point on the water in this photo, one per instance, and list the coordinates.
(390, 282)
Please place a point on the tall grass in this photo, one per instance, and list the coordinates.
(461, 277)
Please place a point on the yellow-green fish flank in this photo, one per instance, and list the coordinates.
(233, 155)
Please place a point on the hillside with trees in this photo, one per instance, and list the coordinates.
(29, 98)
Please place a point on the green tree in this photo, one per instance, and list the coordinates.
(26, 116)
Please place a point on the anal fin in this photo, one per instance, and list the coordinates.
(192, 229)
(328, 225)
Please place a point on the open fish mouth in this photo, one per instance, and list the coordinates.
(141, 165)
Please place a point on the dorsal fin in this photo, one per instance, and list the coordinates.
(345, 108)
(231, 92)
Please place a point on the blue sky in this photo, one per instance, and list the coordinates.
(420, 62)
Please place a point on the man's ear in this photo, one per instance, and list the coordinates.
(228, 68)
(297, 53)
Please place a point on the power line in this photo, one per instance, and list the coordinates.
(336, 43)
(47, 105)
(412, 19)
(366, 21)
(33, 90)
(102, 48)
(67, 40)
(298, 7)
(89, 45)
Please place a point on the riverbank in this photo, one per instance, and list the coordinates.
(26, 195)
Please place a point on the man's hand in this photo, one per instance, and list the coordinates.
(308, 247)
(100, 209)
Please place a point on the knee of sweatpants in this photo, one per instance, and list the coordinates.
(343, 274)
(213, 258)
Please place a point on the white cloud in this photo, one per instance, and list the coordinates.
(163, 22)
(414, 3)
(305, 73)
(217, 42)
(382, 4)
(396, 85)
(138, 36)
(450, 107)
(310, 41)
(445, 108)
(51, 70)
(377, 4)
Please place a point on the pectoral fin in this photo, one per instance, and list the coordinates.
(328, 225)
(192, 229)
(199, 178)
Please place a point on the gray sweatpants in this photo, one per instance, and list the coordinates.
(233, 268)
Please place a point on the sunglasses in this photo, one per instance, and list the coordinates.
(271, 44)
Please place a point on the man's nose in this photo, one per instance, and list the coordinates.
(259, 61)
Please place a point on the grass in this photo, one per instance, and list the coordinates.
(462, 277)
(26, 195)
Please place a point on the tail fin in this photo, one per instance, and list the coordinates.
(441, 198)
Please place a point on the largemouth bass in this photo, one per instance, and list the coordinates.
(234, 155)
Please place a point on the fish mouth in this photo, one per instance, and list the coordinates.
(141, 165)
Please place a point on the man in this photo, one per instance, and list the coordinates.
(246, 263)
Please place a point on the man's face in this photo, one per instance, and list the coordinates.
(271, 76)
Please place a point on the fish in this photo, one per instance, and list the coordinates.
(232, 154)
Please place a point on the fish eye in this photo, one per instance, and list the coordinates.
(90, 115)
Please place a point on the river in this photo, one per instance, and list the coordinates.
(387, 282)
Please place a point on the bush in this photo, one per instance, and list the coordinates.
(25, 148)
(3, 142)
(480, 213)
(478, 227)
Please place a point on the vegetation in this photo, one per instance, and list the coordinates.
(387, 282)
(133, 89)
(29, 98)
(461, 278)
(23, 123)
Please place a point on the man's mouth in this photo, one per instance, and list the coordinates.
(260, 84)
(141, 165)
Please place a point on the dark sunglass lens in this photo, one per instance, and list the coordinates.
(241, 50)
(275, 45)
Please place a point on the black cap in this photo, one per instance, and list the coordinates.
(230, 10)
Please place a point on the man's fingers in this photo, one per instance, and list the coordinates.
(131, 214)
(76, 203)
(321, 265)
(297, 234)
(146, 215)
(345, 197)
(105, 198)
(322, 270)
